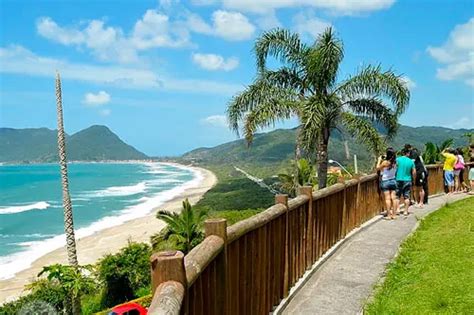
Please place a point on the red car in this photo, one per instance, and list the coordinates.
(128, 309)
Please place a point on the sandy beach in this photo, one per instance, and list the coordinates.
(110, 240)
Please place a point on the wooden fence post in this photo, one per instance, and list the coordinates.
(167, 267)
(283, 199)
(218, 227)
(308, 191)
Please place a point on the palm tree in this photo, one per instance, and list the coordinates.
(184, 229)
(432, 153)
(302, 173)
(306, 87)
(68, 217)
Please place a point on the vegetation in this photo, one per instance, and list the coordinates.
(184, 230)
(301, 173)
(306, 87)
(432, 153)
(124, 274)
(39, 145)
(115, 279)
(434, 270)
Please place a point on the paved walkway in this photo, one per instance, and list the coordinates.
(345, 281)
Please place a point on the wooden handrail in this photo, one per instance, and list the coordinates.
(245, 226)
(200, 256)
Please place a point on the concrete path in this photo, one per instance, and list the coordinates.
(345, 281)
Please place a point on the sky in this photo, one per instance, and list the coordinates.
(161, 73)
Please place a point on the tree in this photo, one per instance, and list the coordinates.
(302, 173)
(125, 273)
(68, 216)
(432, 153)
(306, 87)
(184, 229)
(73, 281)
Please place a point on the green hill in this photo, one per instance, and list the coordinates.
(39, 145)
(278, 146)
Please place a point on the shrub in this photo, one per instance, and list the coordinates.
(124, 273)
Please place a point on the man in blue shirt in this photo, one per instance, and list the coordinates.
(404, 176)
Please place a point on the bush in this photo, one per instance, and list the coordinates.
(124, 273)
(41, 290)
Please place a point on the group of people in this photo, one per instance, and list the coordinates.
(399, 174)
(454, 170)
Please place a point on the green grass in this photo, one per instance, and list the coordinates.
(434, 271)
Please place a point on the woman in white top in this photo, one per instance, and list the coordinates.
(387, 167)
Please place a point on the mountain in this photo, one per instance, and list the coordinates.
(95, 143)
(278, 145)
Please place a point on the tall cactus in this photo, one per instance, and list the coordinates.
(68, 217)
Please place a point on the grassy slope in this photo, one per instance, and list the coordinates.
(234, 197)
(434, 272)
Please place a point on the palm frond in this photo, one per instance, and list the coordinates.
(364, 131)
(282, 45)
(324, 60)
(375, 110)
(261, 93)
(267, 114)
(372, 82)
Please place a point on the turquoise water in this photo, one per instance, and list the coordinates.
(103, 195)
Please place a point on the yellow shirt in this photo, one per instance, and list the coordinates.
(450, 160)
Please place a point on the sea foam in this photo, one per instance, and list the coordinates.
(117, 191)
(12, 264)
(42, 205)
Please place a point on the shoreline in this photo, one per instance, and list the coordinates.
(110, 240)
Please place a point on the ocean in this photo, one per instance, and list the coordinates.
(103, 195)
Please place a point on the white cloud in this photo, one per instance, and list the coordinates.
(456, 55)
(215, 121)
(409, 82)
(340, 7)
(156, 30)
(105, 112)
(19, 60)
(215, 62)
(308, 25)
(108, 43)
(232, 25)
(97, 99)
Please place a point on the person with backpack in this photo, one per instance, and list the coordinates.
(421, 178)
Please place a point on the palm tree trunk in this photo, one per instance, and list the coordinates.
(323, 159)
(68, 217)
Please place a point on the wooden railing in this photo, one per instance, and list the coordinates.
(249, 267)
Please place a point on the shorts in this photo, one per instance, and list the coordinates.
(449, 178)
(403, 189)
(388, 185)
(420, 180)
(457, 172)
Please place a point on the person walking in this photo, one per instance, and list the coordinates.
(387, 167)
(448, 168)
(404, 176)
(420, 178)
(459, 171)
